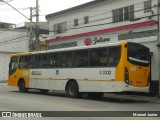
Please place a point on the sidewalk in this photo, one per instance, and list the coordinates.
(3, 81)
(129, 98)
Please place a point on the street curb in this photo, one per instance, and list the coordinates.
(3, 81)
(155, 99)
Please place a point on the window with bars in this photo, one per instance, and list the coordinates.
(123, 14)
(60, 28)
(86, 20)
(75, 22)
(147, 6)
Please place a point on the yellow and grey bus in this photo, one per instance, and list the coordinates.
(95, 69)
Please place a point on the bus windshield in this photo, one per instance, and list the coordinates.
(138, 54)
(13, 65)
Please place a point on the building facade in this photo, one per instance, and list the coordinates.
(16, 41)
(11, 41)
(106, 21)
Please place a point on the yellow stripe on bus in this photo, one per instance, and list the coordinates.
(69, 79)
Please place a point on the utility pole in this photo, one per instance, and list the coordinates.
(30, 30)
(37, 14)
(158, 40)
(37, 26)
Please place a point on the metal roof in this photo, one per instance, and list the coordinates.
(85, 5)
(5, 25)
(73, 48)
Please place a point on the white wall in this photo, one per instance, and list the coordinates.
(11, 41)
(4, 58)
(103, 10)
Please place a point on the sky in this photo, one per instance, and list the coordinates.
(7, 14)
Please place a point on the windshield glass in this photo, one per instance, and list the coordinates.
(138, 54)
(13, 65)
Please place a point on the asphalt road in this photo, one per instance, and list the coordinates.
(12, 100)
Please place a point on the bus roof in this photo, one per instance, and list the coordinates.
(72, 48)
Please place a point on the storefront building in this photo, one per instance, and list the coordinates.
(107, 21)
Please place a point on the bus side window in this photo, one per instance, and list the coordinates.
(114, 56)
(50, 60)
(32, 61)
(44, 60)
(98, 57)
(53, 60)
(81, 58)
(66, 59)
(23, 62)
(38, 61)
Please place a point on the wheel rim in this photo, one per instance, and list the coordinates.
(21, 85)
(72, 90)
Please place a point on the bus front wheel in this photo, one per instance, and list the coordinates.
(21, 85)
(72, 89)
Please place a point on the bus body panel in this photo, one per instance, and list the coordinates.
(122, 87)
(19, 74)
(13, 79)
(120, 67)
(138, 75)
(89, 79)
(138, 67)
(56, 79)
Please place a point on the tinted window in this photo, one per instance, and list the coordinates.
(53, 60)
(81, 58)
(66, 59)
(114, 56)
(41, 61)
(98, 57)
(13, 65)
(44, 60)
(23, 62)
(138, 54)
(38, 61)
(32, 61)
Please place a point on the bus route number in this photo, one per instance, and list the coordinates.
(105, 72)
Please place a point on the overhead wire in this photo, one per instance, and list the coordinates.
(17, 11)
(8, 9)
(138, 5)
(73, 27)
(13, 40)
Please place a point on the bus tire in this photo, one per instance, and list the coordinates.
(95, 95)
(43, 91)
(21, 86)
(72, 89)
